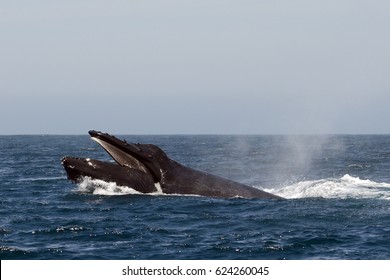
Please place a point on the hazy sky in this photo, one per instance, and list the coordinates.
(193, 66)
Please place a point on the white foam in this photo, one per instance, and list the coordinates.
(344, 187)
(100, 187)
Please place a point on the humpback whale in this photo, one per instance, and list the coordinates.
(146, 168)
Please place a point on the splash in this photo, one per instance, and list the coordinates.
(100, 187)
(344, 187)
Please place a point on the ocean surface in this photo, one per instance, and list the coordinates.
(337, 189)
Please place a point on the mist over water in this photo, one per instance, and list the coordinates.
(297, 155)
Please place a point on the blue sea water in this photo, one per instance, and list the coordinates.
(338, 206)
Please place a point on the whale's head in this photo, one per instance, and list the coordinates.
(147, 158)
(79, 168)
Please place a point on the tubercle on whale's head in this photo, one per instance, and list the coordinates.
(145, 157)
(77, 167)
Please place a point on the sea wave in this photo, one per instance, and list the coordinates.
(344, 187)
(35, 179)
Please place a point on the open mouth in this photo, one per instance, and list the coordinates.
(134, 156)
(133, 167)
(122, 152)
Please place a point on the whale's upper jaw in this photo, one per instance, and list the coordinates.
(143, 157)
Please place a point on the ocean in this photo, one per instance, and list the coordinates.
(337, 189)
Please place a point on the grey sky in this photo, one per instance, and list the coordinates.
(152, 67)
